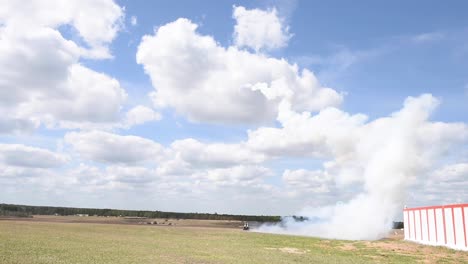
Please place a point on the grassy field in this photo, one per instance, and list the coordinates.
(56, 242)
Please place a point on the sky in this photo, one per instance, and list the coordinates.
(245, 107)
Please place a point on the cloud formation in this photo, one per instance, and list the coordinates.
(259, 29)
(206, 82)
(97, 22)
(43, 68)
(139, 115)
(100, 146)
(17, 155)
(296, 147)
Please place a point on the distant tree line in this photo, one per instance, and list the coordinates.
(27, 210)
(14, 211)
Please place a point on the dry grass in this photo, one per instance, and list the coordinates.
(56, 242)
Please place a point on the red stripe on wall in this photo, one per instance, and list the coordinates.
(445, 229)
(435, 224)
(464, 227)
(454, 229)
(409, 225)
(427, 222)
(436, 207)
(420, 225)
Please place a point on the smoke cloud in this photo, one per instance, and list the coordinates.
(385, 157)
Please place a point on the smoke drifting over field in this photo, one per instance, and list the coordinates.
(385, 157)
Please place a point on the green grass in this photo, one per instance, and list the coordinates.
(37, 242)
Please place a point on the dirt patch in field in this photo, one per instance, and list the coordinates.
(348, 247)
(131, 221)
(429, 254)
(395, 234)
(289, 250)
(395, 244)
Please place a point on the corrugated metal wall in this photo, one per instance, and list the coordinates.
(444, 225)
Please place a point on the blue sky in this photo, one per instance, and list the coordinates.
(389, 64)
(381, 63)
(237, 116)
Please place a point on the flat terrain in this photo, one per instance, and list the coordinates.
(117, 240)
(130, 221)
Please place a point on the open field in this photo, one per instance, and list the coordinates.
(130, 221)
(61, 240)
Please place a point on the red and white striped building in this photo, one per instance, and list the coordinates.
(445, 225)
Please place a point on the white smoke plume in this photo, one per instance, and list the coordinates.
(385, 157)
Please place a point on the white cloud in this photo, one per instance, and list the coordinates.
(259, 29)
(139, 115)
(209, 83)
(307, 182)
(91, 180)
(17, 155)
(17, 125)
(131, 175)
(434, 189)
(319, 136)
(85, 176)
(43, 69)
(427, 37)
(173, 166)
(241, 175)
(106, 147)
(214, 154)
(97, 22)
(133, 21)
(30, 66)
(82, 102)
(451, 173)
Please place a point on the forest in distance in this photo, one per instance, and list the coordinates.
(14, 210)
